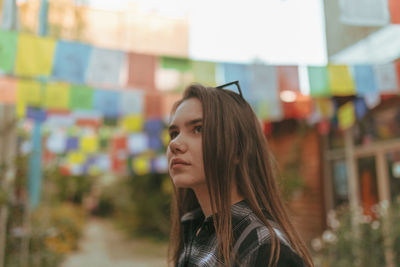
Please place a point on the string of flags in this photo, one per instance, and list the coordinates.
(69, 84)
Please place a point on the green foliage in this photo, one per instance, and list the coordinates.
(42, 237)
(354, 239)
(291, 180)
(141, 204)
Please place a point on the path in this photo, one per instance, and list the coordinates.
(104, 246)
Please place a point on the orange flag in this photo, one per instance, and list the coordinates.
(8, 90)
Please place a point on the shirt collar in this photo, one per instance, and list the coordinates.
(239, 211)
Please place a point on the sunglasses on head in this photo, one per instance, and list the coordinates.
(230, 83)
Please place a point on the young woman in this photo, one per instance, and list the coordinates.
(227, 209)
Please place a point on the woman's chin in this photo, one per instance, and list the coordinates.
(181, 181)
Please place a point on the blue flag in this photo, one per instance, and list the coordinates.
(107, 102)
(237, 72)
(71, 61)
(365, 79)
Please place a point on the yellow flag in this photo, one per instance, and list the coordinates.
(76, 157)
(141, 165)
(56, 96)
(325, 107)
(346, 115)
(340, 80)
(165, 137)
(132, 123)
(34, 55)
(30, 93)
(89, 144)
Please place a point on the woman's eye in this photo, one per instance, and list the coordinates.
(173, 135)
(197, 129)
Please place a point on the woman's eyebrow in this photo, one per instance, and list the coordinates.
(187, 124)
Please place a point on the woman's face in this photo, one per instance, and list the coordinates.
(185, 155)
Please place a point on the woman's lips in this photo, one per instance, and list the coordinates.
(178, 163)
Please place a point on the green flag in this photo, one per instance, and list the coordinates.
(181, 64)
(8, 48)
(204, 72)
(319, 81)
(80, 97)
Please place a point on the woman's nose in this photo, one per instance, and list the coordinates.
(178, 145)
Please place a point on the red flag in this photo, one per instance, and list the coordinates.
(141, 71)
(288, 78)
(394, 6)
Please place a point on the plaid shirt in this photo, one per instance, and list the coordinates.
(252, 242)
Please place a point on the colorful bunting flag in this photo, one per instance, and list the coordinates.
(141, 70)
(364, 12)
(8, 49)
(241, 73)
(36, 114)
(346, 115)
(394, 6)
(105, 67)
(72, 143)
(30, 93)
(56, 96)
(119, 143)
(325, 107)
(288, 78)
(372, 100)
(340, 80)
(103, 161)
(8, 90)
(137, 143)
(264, 95)
(56, 142)
(180, 64)
(204, 72)
(155, 142)
(71, 61)
(153, 127)
(132, 123)
(34, 55)
(80, 97)
(360, 108)
(60, 120)
(319, 81)
(386, 78)
(153, 105)
(365, 79)
(160, 164)
(89, 144)
(76, 157)
(132, 102)
(107, 102)
(141, 165)
(165, 137)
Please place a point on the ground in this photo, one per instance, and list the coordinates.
(103, 245)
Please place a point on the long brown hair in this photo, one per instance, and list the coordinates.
(234, 147)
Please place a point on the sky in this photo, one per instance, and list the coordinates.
(269, 31)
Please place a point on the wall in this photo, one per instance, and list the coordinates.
(306, 205)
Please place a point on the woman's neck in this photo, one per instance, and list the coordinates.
(203, 197)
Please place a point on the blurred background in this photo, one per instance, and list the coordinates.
(86, 87)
